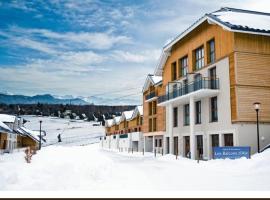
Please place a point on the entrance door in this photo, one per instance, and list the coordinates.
(199, 146)
(175, 142)
(228, 140)
(215, 140)
(168, 144)
(187, 147)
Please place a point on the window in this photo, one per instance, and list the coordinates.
(211, 51)
(186, 115)
(185, 85)
(214, 111)
(175, 117)
(199, 58)
(154, 124)
(197, 82)
(154, 104)
(228, 139)
(141, 120)
(150, 108)
(183, 66)
(198, 110)
(215, 140)
(173, 71)
(150, 125)
(213, 77)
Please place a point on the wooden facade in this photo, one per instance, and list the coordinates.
(26, 141)
(3, 140)
(249, 67)
(153, 114)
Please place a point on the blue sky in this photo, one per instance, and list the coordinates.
(89, 47)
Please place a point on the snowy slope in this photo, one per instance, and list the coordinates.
(72, 132)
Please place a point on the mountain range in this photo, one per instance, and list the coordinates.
(8, 98)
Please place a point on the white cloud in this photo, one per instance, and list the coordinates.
(130, 57)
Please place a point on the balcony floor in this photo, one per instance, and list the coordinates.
(185, 98)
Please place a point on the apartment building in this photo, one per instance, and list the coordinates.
(210, 76)
(124, 132)
(153, 116)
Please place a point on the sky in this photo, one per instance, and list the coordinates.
(93, 48)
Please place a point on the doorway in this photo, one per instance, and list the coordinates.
(175, 142)
(228, 140)
(168, 145)
(199, 146)
(187, 146)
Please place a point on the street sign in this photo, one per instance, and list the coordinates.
(231, 152)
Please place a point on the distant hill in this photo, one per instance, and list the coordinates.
(45, 99)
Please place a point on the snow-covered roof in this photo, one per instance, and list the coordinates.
(151, 79)
(117, 120)
(7, 118)
(127, 115)
(138, 111)
(109, 122)
(4, 128)
(33, 134)
(231, 19)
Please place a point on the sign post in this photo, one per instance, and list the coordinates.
(231, 152)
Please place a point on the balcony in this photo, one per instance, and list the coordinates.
(150, 96)
(202, 88)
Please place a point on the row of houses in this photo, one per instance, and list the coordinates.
(125, 132)
(203, 88)
(14, 135)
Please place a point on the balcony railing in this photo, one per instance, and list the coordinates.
(150, 95)
(204, 83)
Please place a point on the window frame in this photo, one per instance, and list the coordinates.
(199, 58)
(183, 66)
(186, 115)
(211, 51)
(198, 113)
(175, 117)
(173, 71)
(214, 109)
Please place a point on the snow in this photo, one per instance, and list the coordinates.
(140, 109)
(250, 20)
(89, 168)
(7, 118)
(117, 119)
(4, 127)
(72, 132)
(156, 79)
(109, 122)
(127, 114)
(34, 134)
(93, 169)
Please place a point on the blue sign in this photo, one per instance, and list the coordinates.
(231, 152)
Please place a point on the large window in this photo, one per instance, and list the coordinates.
(198, 112)
(150, 125)
(185, 85)
(228, 139)
(173, 71)
(186, 115)
(154, 107)
(214, 109)
(150, 108)
(211, 51)
(213, 77)
(154, 124)
(183, 66)
(199, 58)
(215, 140)
(175, 117)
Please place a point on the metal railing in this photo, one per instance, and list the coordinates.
(150, 95)
(203, 83)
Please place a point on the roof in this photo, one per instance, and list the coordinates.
(109, 122)
(7, 118)
(4, 128)
(151, 79)
(35, 135)
(117, 120)
(231, 19)
(138, 110)
(127, 115)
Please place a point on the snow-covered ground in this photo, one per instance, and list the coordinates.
(90, 168)
(76, 132)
